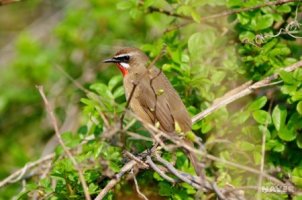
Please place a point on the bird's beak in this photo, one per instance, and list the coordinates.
(111, 60)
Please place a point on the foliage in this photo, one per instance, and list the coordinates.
(204, 59)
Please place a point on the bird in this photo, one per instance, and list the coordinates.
(153, 98)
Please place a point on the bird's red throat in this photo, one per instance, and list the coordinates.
(122, 69)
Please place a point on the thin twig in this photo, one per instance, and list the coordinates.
(221, 14)
(244, 92)
(167, 12)
(231, 12)
(13, 177)
(259, 191)
(136, 136)
(66, 150)
(137, 187)
(138, 160)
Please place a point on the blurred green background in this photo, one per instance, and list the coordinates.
(55, 43)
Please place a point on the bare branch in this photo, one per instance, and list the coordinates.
(269, 3)
(160, 172)
(176, 173)
(138, 160)
(66, 150)
(16, 176)
(127, 167)
(221, 14)
(247, 89)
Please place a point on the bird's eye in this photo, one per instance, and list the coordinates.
(123, 58)
(126, 58)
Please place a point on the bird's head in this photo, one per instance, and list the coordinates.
(129, 60)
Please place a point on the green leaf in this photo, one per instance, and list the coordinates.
(243, 18)
(297, 96)
(196, 17)
(287, 134)
(118, 92)
(201, 42)
(262, 117)
(206, 126)
(114, 81)
(275, 145)
(297, 176)
(299, 140)
(245, 146)
(124, 5)
(261, 22)
(217, 77)
(279, 116)
(298, 74)
(299, 107)
(287, 77)
(246, 36)
(165, 189)
(283, 8)
(257, 104)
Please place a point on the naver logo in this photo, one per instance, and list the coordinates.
(278, 189)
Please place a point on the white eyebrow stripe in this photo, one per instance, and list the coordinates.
(125, 54)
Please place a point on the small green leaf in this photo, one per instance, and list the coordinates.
(299, 140)
(261, 22)
(287, 134)
(206, 126)
(275, 145)
(124, 5)
(118, 92)
(298, 74)
(279, 116)
(201, 42)
(299, 107)
(196, 17)
(246, 36)
(297, 176)
(245, 146)
(257, 104)
(283, 8)
(262, 117)
(114, 81)
(287, 77)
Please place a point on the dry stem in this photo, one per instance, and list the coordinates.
(66, 150)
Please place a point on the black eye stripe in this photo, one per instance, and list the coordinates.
(125, 58)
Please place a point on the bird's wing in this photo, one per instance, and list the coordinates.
(159, 99)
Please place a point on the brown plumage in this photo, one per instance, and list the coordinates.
(154, 99)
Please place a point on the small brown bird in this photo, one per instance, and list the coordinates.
(154, 99)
